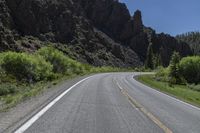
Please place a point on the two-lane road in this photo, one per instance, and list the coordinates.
(116, 103)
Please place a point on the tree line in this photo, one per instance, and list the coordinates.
(193, 39)
(181, 70)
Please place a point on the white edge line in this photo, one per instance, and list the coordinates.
(195, 107)
(26, 125)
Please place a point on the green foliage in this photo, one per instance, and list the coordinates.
(162, 74)
(174, 69)
(157, 61)
(103, 69)
(190, 69)
(77, 68)
(1, 57)
(7, 89)
(17, 70)
(26, 67)
(150, 57)
(141, 69)
(179, 91)
(194, 87)
(181, 71)
(61, 63)
(56, 58)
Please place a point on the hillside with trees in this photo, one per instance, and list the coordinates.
(193, 39)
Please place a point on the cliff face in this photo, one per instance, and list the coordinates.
(115, 20)
(100, 32)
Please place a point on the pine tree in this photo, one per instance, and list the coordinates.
(174, 72)
(150, 57)
(157, 60)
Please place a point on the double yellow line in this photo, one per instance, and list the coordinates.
(134, 103)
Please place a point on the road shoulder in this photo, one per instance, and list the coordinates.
(16, 116)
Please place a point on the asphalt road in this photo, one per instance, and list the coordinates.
(116, 103)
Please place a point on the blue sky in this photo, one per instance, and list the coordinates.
(169, 16)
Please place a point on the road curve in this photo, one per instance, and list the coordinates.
(116, 103)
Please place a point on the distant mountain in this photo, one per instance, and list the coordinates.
(193, 39)
(98, 32)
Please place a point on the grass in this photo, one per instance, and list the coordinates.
(26, 91)
(25, 75)
(182, 92)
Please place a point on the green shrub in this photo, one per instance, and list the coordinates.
(162, 74)
(175, 76)
(73, 66)
(194, 87)
(26, 67)
(7, 89)
(105, 69)
(61, 63)
(56, 58)
(141, 69)
(190, 69)
(1, 58)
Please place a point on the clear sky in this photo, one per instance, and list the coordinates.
(168, 16)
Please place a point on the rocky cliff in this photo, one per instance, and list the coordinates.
(99, 32)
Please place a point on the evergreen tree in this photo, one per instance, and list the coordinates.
(193, 39)
(150, 57)
(157, 60)
(174, 73)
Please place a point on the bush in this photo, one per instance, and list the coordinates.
(7, 89)
(190, 69)
(174, 69)
(194, 87)
(162, 74)
(26, 67)
(61, 63)
(1, 58)
(141, 69)
(56, 58)
(75, 67)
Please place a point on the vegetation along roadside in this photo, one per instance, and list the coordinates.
(180, 79)
(23, 75)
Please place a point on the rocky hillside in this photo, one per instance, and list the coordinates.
(99, 32)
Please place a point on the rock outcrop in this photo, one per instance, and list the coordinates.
(99, 32)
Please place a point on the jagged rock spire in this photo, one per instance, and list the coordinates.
(137, 22)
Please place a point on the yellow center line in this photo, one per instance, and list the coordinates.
(134, 103)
